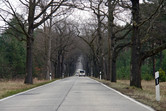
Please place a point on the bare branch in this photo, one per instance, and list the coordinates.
(44, 8)
(153, 15)
(16, 16)
(152, 52)
(24, 3)
(49, 15)
(122, 37)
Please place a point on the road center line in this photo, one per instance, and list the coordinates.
(65, 95)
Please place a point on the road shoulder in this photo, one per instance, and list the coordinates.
(130, 93)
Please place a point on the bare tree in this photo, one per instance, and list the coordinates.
(138, 56)
(97, 7)
(34, 20)
(64, 38)
(106, 10)
(115, 37)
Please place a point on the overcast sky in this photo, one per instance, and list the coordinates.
(77, 15)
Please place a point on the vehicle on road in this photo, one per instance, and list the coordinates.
(80, 72)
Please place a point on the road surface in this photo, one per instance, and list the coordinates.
(71, 94)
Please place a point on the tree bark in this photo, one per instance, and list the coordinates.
(154, 65)
(28, 78)
(104, 69)
(91, 68)
(30, 40)
(58, 69)
(48, 63)
(135, 79)
(99, 51)
(153, 62)
(49, 50)
(110, 38)
(161, 57)
(95, 67)
(113, 79)
(62, 64)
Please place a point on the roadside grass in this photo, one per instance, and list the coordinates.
(145, 95)
(11, 87)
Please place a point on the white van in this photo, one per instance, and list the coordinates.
(82, 73)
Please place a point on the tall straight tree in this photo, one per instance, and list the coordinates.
(49, 35)
(114, 37)
(97, 7)
(110, 36)
(136, 47)
(34, 20)
(138, 55)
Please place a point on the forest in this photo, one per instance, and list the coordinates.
(121, 39)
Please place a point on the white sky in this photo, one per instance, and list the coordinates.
(78, 15)
(15, 5)
(81, 16)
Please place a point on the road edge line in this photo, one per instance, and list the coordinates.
(127, 97)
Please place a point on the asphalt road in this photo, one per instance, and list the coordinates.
(71, 94)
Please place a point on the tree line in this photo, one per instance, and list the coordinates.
(46, 40)
(137, 36)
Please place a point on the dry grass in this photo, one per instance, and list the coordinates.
(9, 87)
(145, 95)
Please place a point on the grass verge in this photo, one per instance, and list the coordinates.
(11, 87)
(146, 95)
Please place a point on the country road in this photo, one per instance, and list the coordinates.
(71, 94)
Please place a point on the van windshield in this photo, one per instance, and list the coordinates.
(81, 71)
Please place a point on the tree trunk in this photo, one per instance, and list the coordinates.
(135, 79)
(49, 49)
(153, 61)
(99, 51)
(91, 68)
(113, 70)
(55, 71)
(154, 65)
(104, 69)
(28, 78)
(58, 66)
(30, 40)
(48, 66)
(95, 68)
(110, 38)
(161, 57)
(49, 56)
(62, 65)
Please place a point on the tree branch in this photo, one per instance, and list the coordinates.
(155, 12)
(44, 9)
(152, 52)
(122, 37)
(48, 16)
